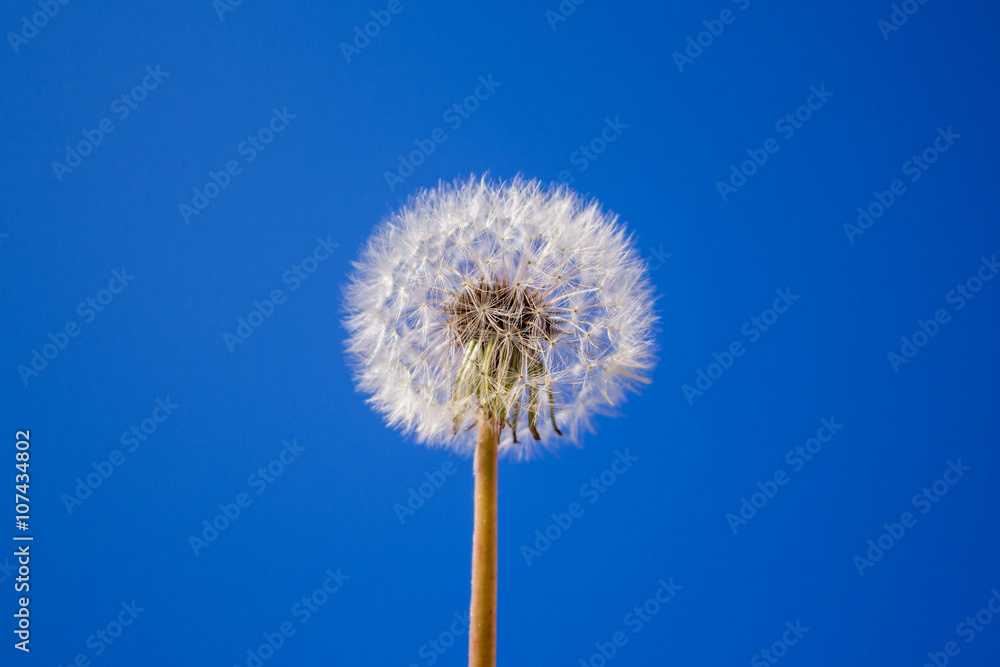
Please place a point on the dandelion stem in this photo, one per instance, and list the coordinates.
(483, 610)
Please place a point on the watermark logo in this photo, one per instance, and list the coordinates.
(303, 611)
(362, 38)
(294, 276)
(898, 18)
(105, 637)
(454, 116)
(585, 155)
(928, 329)
(915, 167)
(85, 486)
(797, 459)
(636, 620)
(249, 149)
(87, 310)
(779, 649)
(713, 30)
(968, 630)
(660, 256)
(122, 107)
(565, 9)
(753, 329)
(259, 482)
(30, 28)
(221, 7)
(433, 649)
(787, 126)
(591, 491)
(923, 501)
(425, 491)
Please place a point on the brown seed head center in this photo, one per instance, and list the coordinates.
(497, 310)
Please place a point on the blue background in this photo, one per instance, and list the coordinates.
(324, 176)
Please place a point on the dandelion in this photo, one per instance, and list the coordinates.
(520, 310)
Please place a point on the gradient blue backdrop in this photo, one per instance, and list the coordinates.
(717, 264)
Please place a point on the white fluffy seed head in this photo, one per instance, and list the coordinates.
(526, 304)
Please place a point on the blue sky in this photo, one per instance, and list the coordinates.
(184, 188)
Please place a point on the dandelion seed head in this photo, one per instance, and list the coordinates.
(526, 303)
